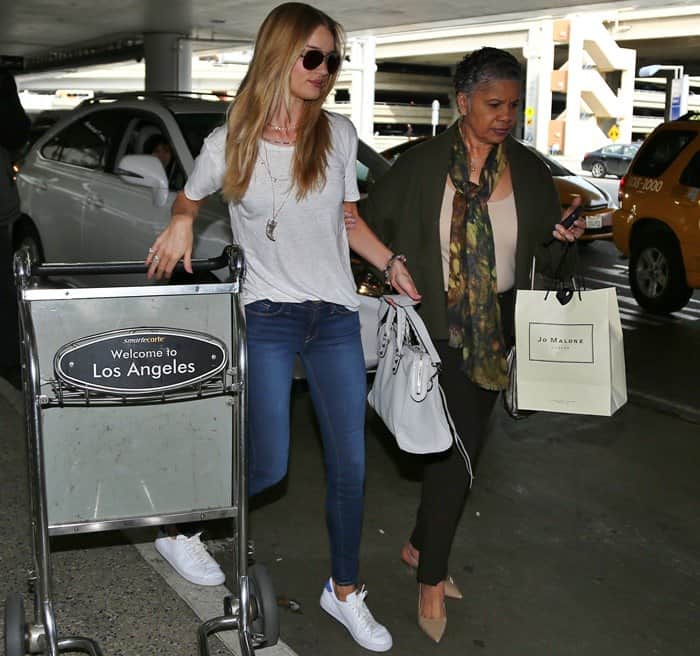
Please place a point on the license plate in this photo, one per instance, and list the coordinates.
(594, 222)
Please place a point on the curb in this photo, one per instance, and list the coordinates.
(205, 602)
(682, 411)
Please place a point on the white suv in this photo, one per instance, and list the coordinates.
(90, 190)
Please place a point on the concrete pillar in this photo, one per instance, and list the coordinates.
(539, 55)
(626, 97)
(363, 64)
(168, 62)
(573, 146)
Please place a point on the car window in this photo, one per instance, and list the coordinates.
(370, 166)
(147, 135)
(659, 151)
(555, 168)
(630, 151)
(195, 127)
(691, 174)
(88, 142)
(612, 150)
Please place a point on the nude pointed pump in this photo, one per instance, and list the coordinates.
(452, 590)
(433, 627)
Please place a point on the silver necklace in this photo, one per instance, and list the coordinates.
(271, 223)
(285, 140)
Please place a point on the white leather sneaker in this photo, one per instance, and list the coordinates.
(190, 559)
(354, 615)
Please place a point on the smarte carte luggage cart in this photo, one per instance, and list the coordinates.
(135, 404)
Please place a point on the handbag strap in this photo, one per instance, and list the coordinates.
(386, 318)
(458, 444)
(421, 333)
(402, 310)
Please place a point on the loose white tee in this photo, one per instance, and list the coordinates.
(309, 259)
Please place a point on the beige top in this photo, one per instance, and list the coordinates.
(504, 223)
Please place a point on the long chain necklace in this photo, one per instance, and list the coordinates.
(271, 223)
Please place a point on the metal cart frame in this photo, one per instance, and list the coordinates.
(251, 610)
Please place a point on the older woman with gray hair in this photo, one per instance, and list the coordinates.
(469, 209)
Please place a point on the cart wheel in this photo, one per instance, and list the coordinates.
(14, 626)
(268, 622)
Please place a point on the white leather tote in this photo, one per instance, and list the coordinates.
(406, 393)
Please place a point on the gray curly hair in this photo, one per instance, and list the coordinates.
(485, 65)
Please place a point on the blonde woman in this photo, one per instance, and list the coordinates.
(286, 167)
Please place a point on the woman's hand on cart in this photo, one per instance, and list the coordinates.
(175, 242)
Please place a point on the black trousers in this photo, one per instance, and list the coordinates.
(445, 477)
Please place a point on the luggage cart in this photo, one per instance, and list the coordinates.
(135, 409)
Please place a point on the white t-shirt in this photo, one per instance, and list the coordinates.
(309, 259)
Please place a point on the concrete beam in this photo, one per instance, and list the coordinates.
(662, 24)
(602, 47)
(598, 95)
(455, 42)
(396, 114)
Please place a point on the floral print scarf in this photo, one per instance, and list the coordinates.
(473, 312)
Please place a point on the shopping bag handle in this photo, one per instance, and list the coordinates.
(563, 290)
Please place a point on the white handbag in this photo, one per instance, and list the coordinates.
(406, 393)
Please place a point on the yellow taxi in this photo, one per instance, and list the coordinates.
(658, 223)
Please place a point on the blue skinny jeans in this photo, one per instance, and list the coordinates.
(327, 338)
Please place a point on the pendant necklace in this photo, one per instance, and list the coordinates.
(272, 221)
(474, 167)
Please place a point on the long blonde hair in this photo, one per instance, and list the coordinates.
(266, 88)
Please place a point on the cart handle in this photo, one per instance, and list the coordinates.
(231, 257)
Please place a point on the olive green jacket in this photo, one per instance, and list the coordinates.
(404, 206)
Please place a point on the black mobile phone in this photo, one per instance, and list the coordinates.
(569, 220)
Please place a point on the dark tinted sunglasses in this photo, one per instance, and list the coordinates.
(312, 59)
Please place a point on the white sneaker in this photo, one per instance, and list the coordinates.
(190, 559)
(355, 616)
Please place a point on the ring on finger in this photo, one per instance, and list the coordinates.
(156, 258)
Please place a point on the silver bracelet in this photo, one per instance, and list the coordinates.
(400, 257)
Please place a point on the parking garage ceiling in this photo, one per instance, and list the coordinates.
(60, 33)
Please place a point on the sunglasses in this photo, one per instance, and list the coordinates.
(312, 59)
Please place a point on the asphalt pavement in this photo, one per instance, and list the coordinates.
(581, 537)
